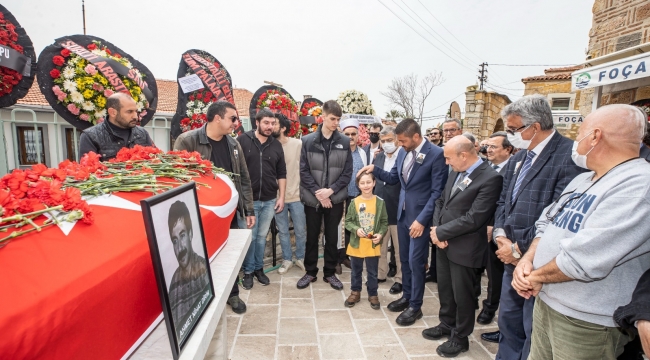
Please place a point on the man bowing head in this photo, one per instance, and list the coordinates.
(459, 231)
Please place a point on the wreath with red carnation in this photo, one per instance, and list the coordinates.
(311, 112)
(277, 100)
(17, 60)
(192, 107)
(78, 73)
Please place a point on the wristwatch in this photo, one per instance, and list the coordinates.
(515, 253)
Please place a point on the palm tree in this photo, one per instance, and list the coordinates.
(394, 114)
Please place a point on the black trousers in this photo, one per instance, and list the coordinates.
(342, 252)
(331, 218)
(495, 279)
(457, 295)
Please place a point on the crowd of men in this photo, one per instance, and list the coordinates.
(559, 226)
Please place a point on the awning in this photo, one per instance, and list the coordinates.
(616, 71)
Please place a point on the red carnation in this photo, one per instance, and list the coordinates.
(191, 97)
(107, 51)
(92, 46)
(58, 60)
(54, 73)
(117, 55)
(65, 52)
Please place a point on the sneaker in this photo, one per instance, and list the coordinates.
(237, 305)
(300, 264)
(247, 283)
(305, 281)
(286, 265)
(261, 277)
(334, 282)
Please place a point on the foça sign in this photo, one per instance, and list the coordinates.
(630, 68)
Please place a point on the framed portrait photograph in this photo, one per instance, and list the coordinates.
(180, 259)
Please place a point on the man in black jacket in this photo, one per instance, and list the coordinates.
(374, 148)
(390, 193)
(325, 172)
(119, 131)
(268, 173)
(460, 221)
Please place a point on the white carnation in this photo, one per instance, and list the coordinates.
(197, 111)
(190, 104)
(139, 106)
(100, 114)
(68, 72)
(189, 112)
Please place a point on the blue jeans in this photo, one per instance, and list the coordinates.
(299, 228)
(264, 211)
(372, 264)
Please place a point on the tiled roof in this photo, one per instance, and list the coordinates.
(167, 97)
(563, 73)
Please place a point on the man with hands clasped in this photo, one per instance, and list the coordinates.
(459, 230)
(591, 245)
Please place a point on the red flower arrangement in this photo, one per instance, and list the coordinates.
(197, 108)
(311, 109)
(295, 129)
(276, 100)
(8, 37)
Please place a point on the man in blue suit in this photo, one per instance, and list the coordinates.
(532, 180)
(422, 172)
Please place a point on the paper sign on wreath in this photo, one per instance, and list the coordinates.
(17, 60)
(202, 80)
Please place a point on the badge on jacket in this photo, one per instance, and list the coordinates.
(420, 158)
(517, 167)
(338, 146)
(464, 184)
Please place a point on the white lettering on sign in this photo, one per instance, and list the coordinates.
(630, 68)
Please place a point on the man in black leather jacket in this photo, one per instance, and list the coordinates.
(119, 131)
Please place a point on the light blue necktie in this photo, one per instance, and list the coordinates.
(522, 174)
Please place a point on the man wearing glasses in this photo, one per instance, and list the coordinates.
(374, 147)
(213, 141)
(451, 128)
(533, 179)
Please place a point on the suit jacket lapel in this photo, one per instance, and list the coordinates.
(476, 173)
(399, 164)
(416, 165)
(449, 187)
(539, 163)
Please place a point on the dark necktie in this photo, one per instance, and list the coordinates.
(459, 179)
(495, 167)
(522, 174)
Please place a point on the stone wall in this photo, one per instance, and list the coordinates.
(618, 25)
(483, 112)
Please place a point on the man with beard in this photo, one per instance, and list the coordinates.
(190, 280)
(121, 130)
(268, 172)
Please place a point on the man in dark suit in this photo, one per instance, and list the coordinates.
(421, 170)
(533, 179)
(460, 221)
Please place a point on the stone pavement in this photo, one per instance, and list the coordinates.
(283, 322)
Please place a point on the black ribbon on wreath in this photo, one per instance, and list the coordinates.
(213, 75)
(24, 64)
(306, 119)
(108, 67)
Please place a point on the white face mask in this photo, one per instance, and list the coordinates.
(517, 141)
(389, 147)
(580, 160)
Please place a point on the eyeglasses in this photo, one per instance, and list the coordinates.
(387, 141)
(234, 118)
(450, 130)
(493, 147)
(350, 134)
(512, 132)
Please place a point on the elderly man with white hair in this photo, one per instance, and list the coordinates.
(592, 244)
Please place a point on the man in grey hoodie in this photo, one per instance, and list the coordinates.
(592, 243)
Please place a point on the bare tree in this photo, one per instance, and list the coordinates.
(410, 94)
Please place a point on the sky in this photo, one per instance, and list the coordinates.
(323, 47)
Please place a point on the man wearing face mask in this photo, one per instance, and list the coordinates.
(591, 244)
(374, 147)
(390, 194)
(532, 180)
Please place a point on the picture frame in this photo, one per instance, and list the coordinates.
(180, 260)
